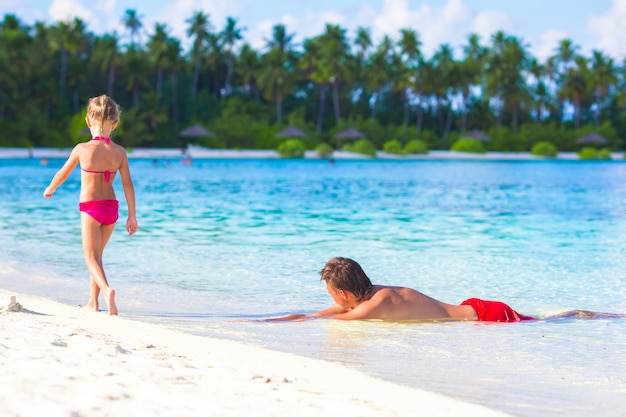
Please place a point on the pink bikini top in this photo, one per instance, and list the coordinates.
(107, 174)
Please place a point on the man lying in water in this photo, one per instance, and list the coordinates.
(356, 298)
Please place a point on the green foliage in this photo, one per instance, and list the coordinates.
(246, 96)
(79, 132)
(468, 145)
(429, 137)
(132, 129)
(588, 153)
(533, 133)
(502, 139)
(291, 148)
(416, 146)
(236, 127)
(604, 154)
(362, 146)
(393, 147)
(544, 148)
(324, 150)
(593, 153)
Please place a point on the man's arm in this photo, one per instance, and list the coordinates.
(367, 310)
(330, 311)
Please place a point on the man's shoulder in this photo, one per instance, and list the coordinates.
(382, 292)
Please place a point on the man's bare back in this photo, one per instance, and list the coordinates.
(356, 298)
(392, 303)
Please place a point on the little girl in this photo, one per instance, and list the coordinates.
(100, 159)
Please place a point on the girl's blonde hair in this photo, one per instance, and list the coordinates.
(103, 109)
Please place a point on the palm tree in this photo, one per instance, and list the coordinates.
(14, 44)
(540, 91)
(422, 87)
(172, 60)
(471, 72)
(35, 76)
(603, 78)
(135, 73)
(561, 62)
(157, 50)
(447, 68)
(406, 65)
(199, 29)
(515, 89)
(248, 66)
(68, 38)
(107, 54)
(277, 68)
(318, 72)
(496, 68)
(335, 50)
(363, 42)
(215, 65)
(378, 72)
(230, 35)
(132, 22)
(507, 65)
(576, 86)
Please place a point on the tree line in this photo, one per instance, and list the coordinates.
(387, 89)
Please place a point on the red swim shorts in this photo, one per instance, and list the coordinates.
(494, 311)
(104, 212)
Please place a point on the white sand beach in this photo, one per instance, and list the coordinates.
(59, 360)
(198, 152)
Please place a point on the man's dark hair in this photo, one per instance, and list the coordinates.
(346, 274)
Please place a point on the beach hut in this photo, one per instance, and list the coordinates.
(477, 135)
(349, 133)
(291, 132)
(591, 138)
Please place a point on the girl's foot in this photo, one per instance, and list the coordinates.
(110, 299)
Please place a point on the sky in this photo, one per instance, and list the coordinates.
(541, 24)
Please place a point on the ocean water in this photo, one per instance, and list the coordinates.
(225, 243)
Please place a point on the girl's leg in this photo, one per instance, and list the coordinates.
(95, 237)
(94, 293)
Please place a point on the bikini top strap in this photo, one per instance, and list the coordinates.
(103, 138)
(107, 174)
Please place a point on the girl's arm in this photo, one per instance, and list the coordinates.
(129, 193)
(63, 173)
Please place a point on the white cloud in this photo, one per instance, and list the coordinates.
(435, 25)
(488, 22)
(257, 36)
(609, 30)
(176, 14)
(65, 10)
(547, 43)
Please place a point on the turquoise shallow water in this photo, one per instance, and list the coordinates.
(225, 240)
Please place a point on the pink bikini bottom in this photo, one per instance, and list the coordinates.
(104, 212)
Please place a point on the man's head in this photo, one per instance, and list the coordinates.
(344, 274)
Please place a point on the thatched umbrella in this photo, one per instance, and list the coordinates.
(591, 138)
(478, 135)
(349, 133)
(195, 131)
(291, 132)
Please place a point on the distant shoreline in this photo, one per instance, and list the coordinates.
(196, 152)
